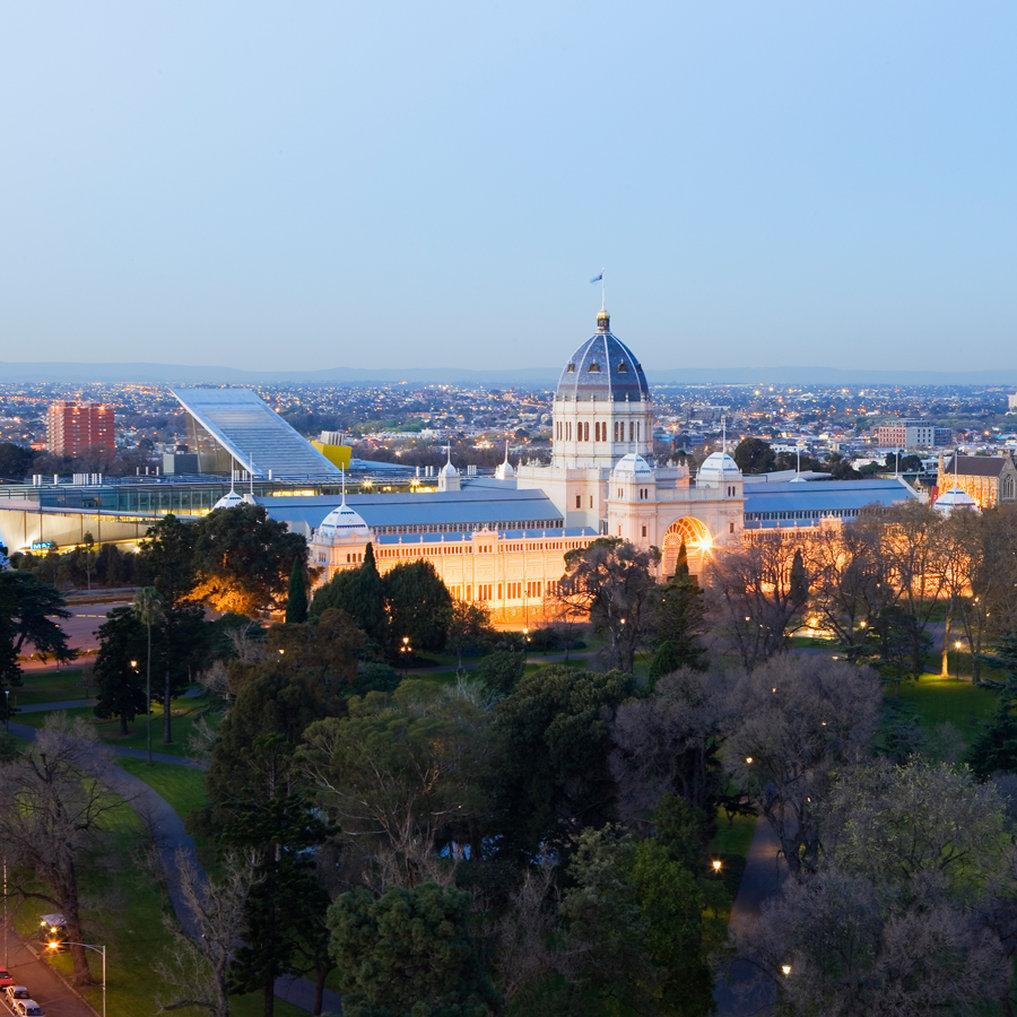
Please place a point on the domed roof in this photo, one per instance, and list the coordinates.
(343, 522)
(954, 499)
(602, 368)
(718, 465)
(229, 500)
(631, 465)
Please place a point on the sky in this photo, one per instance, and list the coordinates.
(328, 184)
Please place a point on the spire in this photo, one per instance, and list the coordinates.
(723, 431)
(342, 481)
(506, 452)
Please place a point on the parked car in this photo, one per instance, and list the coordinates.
(13, 992)
(5, 978)
(28, 1008)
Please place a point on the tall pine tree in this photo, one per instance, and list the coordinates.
(680, 622)
(296, 595)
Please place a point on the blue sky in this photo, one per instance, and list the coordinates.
(329, 184)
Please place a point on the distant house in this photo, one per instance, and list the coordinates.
(988, 479)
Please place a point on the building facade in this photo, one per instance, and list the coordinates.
(73, 427)
(989, 480)
(601, 480)
(907, 434)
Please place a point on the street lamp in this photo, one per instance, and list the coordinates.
(54, 944)
(785, 970)
(405, 649)
(957, 648)
(748, 760)
(717, 865)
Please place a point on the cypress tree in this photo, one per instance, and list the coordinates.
(296, 596)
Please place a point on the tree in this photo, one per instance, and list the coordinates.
(613, 582)
(796, 721)
(468, 625)
(903, 824)
(148, 608)
(753, 455)
(202, 965)
(30, 613)
(361, 594)
(849, 951)
(759, 594)
(667, 743)
(120, 690)
(242, 560)
(634, 927)
(995, 748)
(88, 557)
(181, 646)
(500, 670)
(403, 775)
(53, 805)
(554, 731)
(680, 622)
(418, 605)
(410, 951)
(296, 594)
(167, 558)
(15, 461)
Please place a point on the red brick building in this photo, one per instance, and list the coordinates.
(74, 427)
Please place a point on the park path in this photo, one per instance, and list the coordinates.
(170, 837)
(742, 989)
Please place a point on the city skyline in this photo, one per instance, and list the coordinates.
(352, 189)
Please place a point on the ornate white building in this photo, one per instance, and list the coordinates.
(602, 480)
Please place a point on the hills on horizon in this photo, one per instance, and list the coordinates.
(172, 374)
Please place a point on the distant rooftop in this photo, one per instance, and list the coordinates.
(254, 434)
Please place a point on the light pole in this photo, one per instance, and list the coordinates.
(956, 660)
(7, 710)
(54, 944)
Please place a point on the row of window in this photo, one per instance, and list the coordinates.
(440, 550)
(563, 430)
(805, 514)
(502, 524)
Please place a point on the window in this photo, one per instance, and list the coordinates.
(591, 501)
(594, 368)
(644, 531)
(632, 431)
(623, 368)
(730, 527)
(579, 501)
(571, 369)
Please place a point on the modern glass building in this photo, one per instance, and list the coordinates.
(236, 424)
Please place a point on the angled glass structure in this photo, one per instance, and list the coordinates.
(237, 423)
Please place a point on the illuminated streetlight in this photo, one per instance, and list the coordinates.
(785, 970)
(748, 760)
(716, 865)
(54, 945)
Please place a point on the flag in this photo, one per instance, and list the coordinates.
(598, 278)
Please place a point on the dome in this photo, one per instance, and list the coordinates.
(505, 470)
(342, 523)
(229, 500)
(954, 499)
(632, 465)
(448, 470)
(718, 468)
(602, 368)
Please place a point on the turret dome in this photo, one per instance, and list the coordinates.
(953, 500)
(632, 465)
(603, 368)
(229, 500)
(342, 523)
(718, 468)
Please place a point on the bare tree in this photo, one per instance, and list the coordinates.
(796, 721)
(524, 951)
(758, 594)
(667, 743)
(834, 946)
(53, 806)
(202, 966)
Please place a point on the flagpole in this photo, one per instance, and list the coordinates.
(603, 289)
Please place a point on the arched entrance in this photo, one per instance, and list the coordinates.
(697, 539)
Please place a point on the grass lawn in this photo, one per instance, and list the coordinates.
(185, 713)
(730, 844)
(124, 908)
(934, 701)
(54, 686)
(181, 786)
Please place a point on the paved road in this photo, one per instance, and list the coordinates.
(85, 618)
(171, 837)
(741, 990)
(48, 989)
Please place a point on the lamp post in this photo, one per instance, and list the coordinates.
(7, 710)
(957, 644)
(406, 651)
(54, 944)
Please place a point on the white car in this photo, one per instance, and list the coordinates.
(13, 992)
(28, 1008)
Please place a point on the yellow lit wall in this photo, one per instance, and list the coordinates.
(337, 455)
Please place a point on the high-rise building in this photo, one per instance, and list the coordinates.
(913, 434)
(73, 427)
